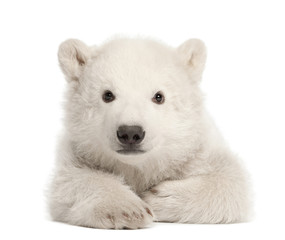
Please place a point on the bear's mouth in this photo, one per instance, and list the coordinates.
(130, 151)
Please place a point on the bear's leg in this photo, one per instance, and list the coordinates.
(96, 199)
(212, 198)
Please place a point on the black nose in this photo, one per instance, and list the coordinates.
(130, 134)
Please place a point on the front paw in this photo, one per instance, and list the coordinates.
(126, 214)
(162, 190)
(163, 200)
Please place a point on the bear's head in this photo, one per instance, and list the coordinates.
(134, 99)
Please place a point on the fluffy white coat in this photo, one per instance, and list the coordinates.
(187, 173)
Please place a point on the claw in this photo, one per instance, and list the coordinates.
(136, 215)
(149, 212)
(154, 191)
(126, 215)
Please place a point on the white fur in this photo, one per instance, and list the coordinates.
(187, 173)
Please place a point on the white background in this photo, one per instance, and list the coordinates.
(244, 82)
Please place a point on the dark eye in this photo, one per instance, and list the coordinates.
(108, 96)
(158, 98)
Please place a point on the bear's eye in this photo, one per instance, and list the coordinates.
(158, 98)
(108, 96)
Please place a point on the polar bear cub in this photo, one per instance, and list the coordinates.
(138, 145)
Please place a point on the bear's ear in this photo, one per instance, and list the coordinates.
(73, 56)
(193, 54)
